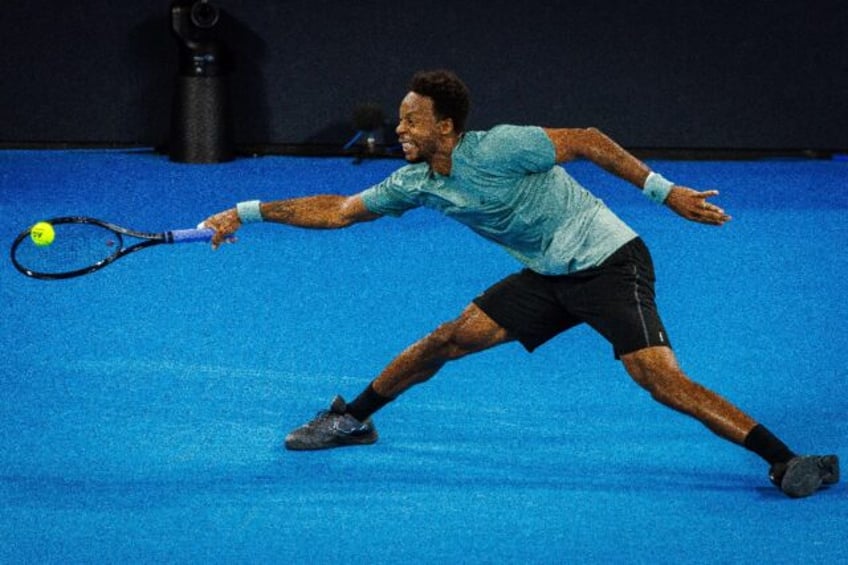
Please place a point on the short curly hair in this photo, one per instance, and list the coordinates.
(450, 96)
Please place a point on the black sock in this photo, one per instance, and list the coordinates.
(367, 403)
(766, 445)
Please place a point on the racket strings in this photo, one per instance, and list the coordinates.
(75, 247)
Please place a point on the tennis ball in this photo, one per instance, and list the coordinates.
(42, 234)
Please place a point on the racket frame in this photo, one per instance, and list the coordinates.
(149, 240)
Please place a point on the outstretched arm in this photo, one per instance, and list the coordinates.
(316, 212)
(594, 145)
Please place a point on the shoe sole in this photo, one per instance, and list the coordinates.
(805, 475)
(293, 444)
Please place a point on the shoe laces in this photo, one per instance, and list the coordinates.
(335, 409)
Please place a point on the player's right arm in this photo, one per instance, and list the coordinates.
(324, 211)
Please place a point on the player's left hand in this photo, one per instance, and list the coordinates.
(693, 205)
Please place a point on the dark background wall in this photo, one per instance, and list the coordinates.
(709, 74)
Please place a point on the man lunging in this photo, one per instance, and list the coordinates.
(582, 264)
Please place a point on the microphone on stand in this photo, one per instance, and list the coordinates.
(368, 121)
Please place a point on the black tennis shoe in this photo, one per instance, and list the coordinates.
(803, 475)
(332, 428)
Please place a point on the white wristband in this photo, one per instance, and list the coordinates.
(657, 187)
(249, 212)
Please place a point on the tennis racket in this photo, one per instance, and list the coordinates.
(84, 245)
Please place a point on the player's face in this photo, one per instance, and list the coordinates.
(419, 130)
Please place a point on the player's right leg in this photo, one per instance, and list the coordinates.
(350, 424)
(473, 331)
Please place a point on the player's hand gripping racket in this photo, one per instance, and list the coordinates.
(81, 245)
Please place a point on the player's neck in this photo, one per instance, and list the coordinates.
(442, 161)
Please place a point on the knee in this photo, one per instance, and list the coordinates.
(662, 381)
(447, 341)
(671, 387)
(663, 387)
(471, 332)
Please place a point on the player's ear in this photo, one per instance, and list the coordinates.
(445, 126)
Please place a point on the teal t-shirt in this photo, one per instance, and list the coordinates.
(505, 185)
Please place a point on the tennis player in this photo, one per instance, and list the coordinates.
(581, 264)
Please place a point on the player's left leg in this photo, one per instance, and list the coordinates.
(656, 370)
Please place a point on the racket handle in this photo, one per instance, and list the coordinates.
(192, 236)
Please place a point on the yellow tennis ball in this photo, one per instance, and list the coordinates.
(42, 234)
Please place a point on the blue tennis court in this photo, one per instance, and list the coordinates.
(144, 406)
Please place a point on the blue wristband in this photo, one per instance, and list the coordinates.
(657, 187)
(249, 212)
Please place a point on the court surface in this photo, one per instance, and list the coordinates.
(144, 406)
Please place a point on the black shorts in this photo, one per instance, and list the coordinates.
(615, 298)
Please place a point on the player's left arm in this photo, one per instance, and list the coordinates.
(594, 145)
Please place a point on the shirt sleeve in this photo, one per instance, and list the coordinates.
(518, 149)
(391, 197)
